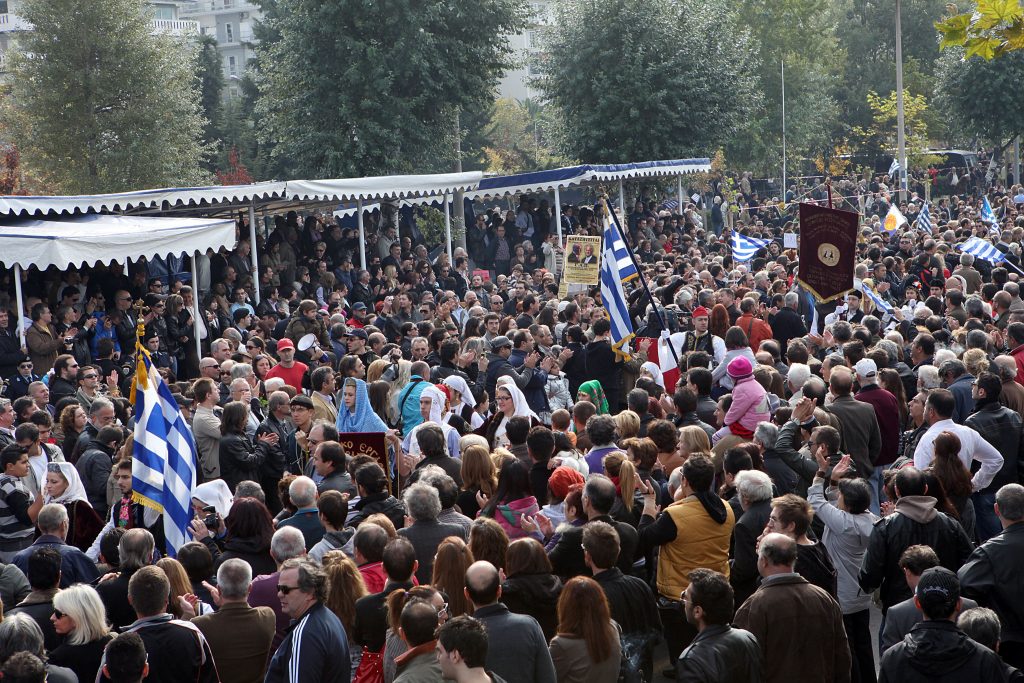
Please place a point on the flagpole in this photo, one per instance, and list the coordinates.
(901, 141)
(784, 185)
(643, 282)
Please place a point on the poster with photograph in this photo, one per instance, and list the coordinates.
(582, 260)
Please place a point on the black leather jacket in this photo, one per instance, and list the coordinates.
(1002, 428)
(992, 577)
(938, 650)
(722, 654)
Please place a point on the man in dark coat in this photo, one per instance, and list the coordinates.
(604, 365)
(787, 323)
(719, 652)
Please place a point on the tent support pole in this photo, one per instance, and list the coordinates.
(558, 215)
(679, 190)
(252, 254)
(622, 200)
(21, 304)
(362, 234)
(448, 229)
(195, 302)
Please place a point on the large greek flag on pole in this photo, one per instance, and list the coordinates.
(979, 248)
(164, 456)
(744, 248)
(988, 216)
(616, 267)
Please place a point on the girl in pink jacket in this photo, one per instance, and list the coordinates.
(749, 402)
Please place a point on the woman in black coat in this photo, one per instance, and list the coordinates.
(240, 459)
(530, 587)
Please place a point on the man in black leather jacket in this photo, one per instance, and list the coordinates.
(720, 652)
(935, 650)
(992, 573)
(1001, 427)
(916, 521)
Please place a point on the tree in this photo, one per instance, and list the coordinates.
(341, 97)
(990, 28)
(99, 103)
(880, 137)
(211, 85)
(517, 138)
(982, 97)
(802, 34)
(647, 79)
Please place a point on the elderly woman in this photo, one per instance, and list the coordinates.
(432, 405)
(81, 619)
(64, 486)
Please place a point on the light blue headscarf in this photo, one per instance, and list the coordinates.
(363, 419)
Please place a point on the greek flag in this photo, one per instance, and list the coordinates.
(979, 248)
(744, 248)
(164, 456)
(988, 216)
(616, 267)
(880, 303)
(924, 219)
(670, 204)
(894, 168)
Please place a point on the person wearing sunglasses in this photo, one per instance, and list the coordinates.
(18, 385)
(316, 643)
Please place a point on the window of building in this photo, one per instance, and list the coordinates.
(3, 6)
(229, 33)
(232, 66)
(165, 13)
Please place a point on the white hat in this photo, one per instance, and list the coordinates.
(866, 367)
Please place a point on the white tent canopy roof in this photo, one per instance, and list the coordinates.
(94, 238)
(343, 189)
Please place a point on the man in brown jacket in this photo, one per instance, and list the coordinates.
(798, 625)
(239, 635)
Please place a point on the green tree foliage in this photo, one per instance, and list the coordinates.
(880, 137)
(647, 79)
(982, 97)
(518, 137)
(988, 29)
(211, 87)
(99, 103)
(351, 88)
(802, 34)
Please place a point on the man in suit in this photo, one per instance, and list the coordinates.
(239, 636)
(423, 505)
(523, 653)
(862, 438)
(787, 323)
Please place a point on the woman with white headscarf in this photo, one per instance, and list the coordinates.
(463, 403)
(511, 403)
(432, 405)
(212, 494)
(650, 369)
(64, 486)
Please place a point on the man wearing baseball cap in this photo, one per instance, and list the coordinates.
(935, 650)
(888, 416)
(355, 340)
(288, 369)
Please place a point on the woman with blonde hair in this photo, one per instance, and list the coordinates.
(344, 586)
(693, 440)
(627, 506)
(479, 475)
(80, 617)
(976, 361)
(376, 370)
(627, 423)
(586, 649)
(451, 561)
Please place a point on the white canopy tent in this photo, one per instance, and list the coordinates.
(223, 199)
(94, 238)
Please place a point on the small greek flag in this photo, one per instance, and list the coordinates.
(164, 454)
(894, 168)
(670, 204)
(616, 267)
(880, 303)
(988, 216)
(924, 219)
(979, 248)
(744, 248)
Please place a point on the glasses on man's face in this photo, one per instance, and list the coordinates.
(90, 376)
(285, 590)
(224, 373)
(25, 366)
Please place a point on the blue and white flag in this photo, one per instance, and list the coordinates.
(616, 268)
(979, 248)
(894, 168)
(880, 303)
(670, 204)
(988, 216)
(164, 456)
(744, 248)
(924, 219)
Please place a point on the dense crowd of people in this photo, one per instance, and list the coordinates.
(546, 508)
